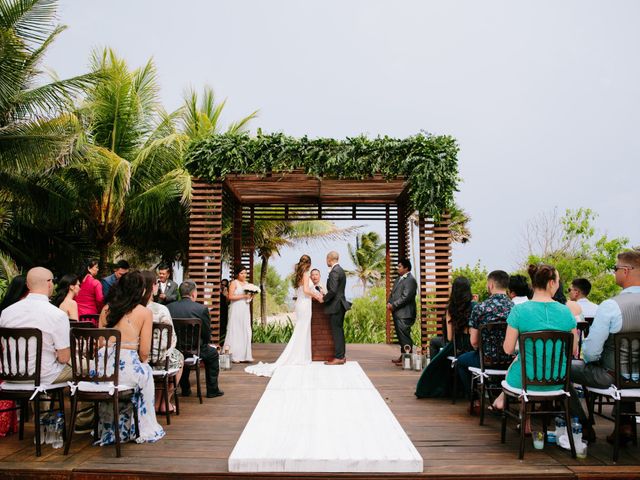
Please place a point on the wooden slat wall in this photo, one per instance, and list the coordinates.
(205, 247)
(392, 241)
(435, 273)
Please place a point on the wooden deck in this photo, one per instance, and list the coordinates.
(199, 441)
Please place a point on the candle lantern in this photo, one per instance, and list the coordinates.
(406, 358)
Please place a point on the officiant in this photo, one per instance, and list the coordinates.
(314, 275)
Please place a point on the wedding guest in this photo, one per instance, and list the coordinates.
(578, 292)
(64, 299)
(224, 308)
(402, 305)
(519, 290)
(119, 269)
(167, 291)
(314, 275)
(89, 298)
(125, 313)
(161, 315)
(575, 309)
(239, 329)
(16, 290)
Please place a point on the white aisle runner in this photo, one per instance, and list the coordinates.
(320, 418)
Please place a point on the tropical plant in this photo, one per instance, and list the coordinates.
(276, 291)
(369, 258)
(272, 332)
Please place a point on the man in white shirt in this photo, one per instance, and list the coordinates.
(35, 311)
(519, 289)
(578, 292)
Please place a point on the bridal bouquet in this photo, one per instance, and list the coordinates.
(251, 290)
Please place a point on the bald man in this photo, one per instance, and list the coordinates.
(336, 305)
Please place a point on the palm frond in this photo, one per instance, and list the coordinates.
(31, 20)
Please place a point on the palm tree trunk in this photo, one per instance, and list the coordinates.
(103, 264)
(263, 285)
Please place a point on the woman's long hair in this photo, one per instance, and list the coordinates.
(124, 296)
(16, 290)
(150, 278)
(303, 265)
(62, 289)
(92, 262)
(459, 307)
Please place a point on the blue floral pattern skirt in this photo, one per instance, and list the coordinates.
(139, 375)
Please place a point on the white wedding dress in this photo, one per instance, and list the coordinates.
(298, 350)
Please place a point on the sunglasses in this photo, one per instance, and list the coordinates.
(618, 267)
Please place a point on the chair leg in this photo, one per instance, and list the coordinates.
(175, 395)
(72, 425)
(454, 391)
(198, 381)
(482, 403)
(116, 423)
(64, 417)
(36, 412)
(590, 398)
(503, 427)
(165, 384)
(523, 421)
(472, 390)
(616, 432)
(96, 419)
(24, 408)
(567, 419)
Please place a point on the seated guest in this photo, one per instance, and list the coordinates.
(125, 313)
(187, 307)
(519, 291)
(496, 308)
(541, 313)
(161, 315)
(89, 298)
(167, 291)
(618, 314)
(578, 292)
(575, 309)
(119, 269)
(64, 299)
(16, 291)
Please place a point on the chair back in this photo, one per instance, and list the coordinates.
(17, 345)
(461, 343)
(95, 354)
(583, 331)
(188, 333)
(493, 332)
(160, 342)
(545, 358)
(74, 324)
(627, 359)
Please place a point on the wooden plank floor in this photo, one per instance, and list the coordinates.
(199, 441)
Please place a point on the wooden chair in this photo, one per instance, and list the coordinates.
(583, 331)
(458, 349)
(626, 388)
(551, 352)
(485, 379)
(188, 333)
(96, 378)
(90, 317)
(159, 362)
(17, 346)
(74, 324)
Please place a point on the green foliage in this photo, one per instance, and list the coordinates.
(366, 321)
(584, 254)
(276, 290)
(477, 275)
(429, 162)
(369, 257)
(272, 332)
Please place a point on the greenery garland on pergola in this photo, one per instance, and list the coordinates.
(428, 162)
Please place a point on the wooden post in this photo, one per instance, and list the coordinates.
(237, 236)
(387, 277)
(205, 247)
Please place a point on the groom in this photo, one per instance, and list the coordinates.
(336, 305)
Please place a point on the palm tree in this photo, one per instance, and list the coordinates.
(37, 132)
(369, 257)
(270, 236)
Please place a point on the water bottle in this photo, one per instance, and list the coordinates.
(58, 426)
(561, 427)
(576, 431)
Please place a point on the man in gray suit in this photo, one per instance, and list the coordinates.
(402, 304)
(336, 305)
(167, 288)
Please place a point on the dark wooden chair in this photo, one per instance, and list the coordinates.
(89, 368)
(188, 333)
(159, 362)
(626, 388)
(90, 317)
(458, 349)
(583, 330)
(74, 324)
(485, 380)
(551, 352)
(17, 346)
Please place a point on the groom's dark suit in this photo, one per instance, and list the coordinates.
(336, 305)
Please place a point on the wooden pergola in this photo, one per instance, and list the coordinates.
(295, 195)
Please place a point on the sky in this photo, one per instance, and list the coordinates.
(542, 96)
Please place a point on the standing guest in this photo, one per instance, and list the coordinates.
(224, 308)
(238, 337)
(119, 269)
(161, 315)
(167, 288)
(16, 291)
(314, 275)
(618, 314)
(496, 308)
(402, 305)
(187, 307)
(64, 299)
(578, 292)
(89, 298)
(519, 291)
(125, 313)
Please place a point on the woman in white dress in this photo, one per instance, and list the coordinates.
(298, 350)
(238, 337)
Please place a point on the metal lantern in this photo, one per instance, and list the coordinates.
(418, 360)
(406, 358)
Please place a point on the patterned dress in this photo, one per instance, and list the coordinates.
(139, 375)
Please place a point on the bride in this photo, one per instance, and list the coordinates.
(298, 350)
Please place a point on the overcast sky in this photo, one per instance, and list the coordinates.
(542, 96)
